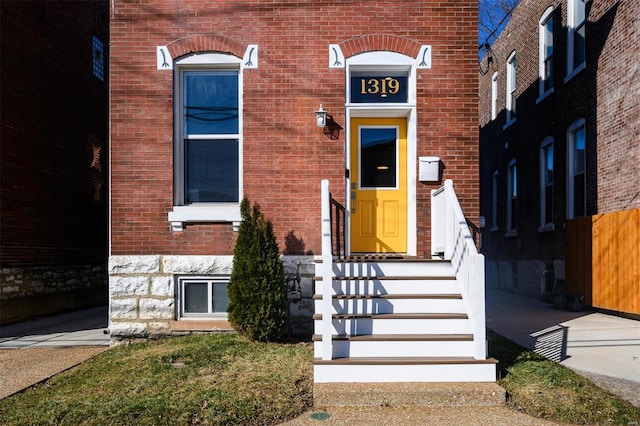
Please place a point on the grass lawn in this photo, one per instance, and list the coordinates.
(545, 389)
(218, 379)
(224, 379)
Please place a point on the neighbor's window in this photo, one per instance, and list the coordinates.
(576, 179)
(575, 37)
(203, 296)
(512, 198)
(494, 96)
(546, 53)
(98, 58)
(512, 65)
(494, 201)
(546, 184)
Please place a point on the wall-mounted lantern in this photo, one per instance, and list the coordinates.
(321, 117)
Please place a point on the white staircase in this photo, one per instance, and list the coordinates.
(397, 320)
(382, 319)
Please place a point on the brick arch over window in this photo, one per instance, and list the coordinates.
(387, 42)
(206, 43)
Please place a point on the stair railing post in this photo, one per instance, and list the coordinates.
(327, 263)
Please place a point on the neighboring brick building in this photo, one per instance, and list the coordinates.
(571, 147)
(53, 156)
(214, 101)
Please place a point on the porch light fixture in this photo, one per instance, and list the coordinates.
(321, 117)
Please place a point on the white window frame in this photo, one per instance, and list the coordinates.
(571, 160)
(200, 279)
(511, 86)
(494, 202)
(545, 50)
(203, 212)
(544, 184)
(573, 27)
(494, 96)
(512, 195)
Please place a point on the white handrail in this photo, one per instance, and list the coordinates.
(452, 239)
(326, 273)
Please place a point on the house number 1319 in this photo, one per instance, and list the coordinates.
(382, 86)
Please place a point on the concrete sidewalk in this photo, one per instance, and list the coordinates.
(603, 348)
(33, 351)
(80, 328)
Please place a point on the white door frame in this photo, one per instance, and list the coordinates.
(379, 61)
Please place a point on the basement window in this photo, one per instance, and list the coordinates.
(203, 297)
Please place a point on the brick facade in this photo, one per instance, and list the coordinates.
(604, 94)
(285, 156)
(53, 172)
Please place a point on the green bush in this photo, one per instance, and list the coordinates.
(257, 293)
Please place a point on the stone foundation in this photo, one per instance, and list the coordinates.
(32, 291)
(533, 278)
(143, 293)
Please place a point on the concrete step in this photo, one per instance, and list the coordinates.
(408, 394)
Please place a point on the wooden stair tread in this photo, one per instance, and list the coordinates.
(399, 337)
(386, 259)
(404, 361)
(389, 278)
(396, 316)
(455, 296)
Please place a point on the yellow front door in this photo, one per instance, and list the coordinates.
(378, 167)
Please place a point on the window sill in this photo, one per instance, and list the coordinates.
(544, 95)
(509, 123)
(512, 233)
(494, 229)
(547, 228)
(575, 72)
(223, 213)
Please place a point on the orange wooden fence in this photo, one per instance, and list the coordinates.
(603, 260)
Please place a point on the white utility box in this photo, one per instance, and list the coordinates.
(429, 169)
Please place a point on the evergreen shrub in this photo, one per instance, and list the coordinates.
(257, 293)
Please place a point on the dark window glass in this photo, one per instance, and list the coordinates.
(195, 298)
(379, 88)
(220, 298)
(578, 46)
(211, 102)
(378, 153)
(211, 170)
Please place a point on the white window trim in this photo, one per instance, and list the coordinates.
(512, 230)
(545, 226)
(180, 280)
(511, 89)
(494, 202)
(572, 69)
(205, 212)
(571, 132)
(393, 61)
(494, 96)
(542, 28)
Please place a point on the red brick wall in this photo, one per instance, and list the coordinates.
(605, 94)
(52, 108)
(285, 154)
